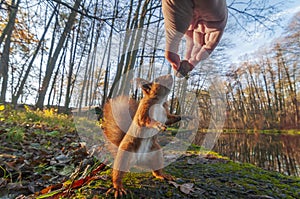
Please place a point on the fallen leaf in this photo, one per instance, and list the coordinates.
(31, 187)
(4, 155)
(62, 159)
(199, 190)
(49, 188)
(191, 162)
(187, 188)
(3, 182)
(174, 184)
(15, 186)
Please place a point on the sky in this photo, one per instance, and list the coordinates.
(254, 42)
(251, 43)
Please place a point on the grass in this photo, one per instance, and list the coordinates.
(263, 131)
(38, 117)
(46, 121)
(15, 134)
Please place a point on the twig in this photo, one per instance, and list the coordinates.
(84, 13)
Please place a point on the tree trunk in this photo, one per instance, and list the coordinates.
(105, 89)
(133, 55)
(71, 66)
(86, 71)
(4, 59)
(16, 97)
(122, 59)
(50, 67)
(52, 88)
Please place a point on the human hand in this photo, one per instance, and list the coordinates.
(203, 45)
(206, 29)
(173, 58)
(203, 23)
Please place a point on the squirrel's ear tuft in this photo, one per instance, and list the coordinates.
(144, 84)
(146, 87)
(140, 81)
(165, 80)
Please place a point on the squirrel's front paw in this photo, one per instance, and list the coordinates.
(160, 126)
(118, 192)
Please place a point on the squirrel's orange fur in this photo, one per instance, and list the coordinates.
(135, 140)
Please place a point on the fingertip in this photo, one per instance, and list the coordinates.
(175, 66)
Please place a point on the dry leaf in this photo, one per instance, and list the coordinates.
(3, 182)
(174, 184)
(187, 188)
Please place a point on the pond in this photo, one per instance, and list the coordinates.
(277, 152)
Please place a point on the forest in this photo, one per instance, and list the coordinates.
(73, 54)
(60, 59)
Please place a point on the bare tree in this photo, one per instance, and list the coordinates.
(50, 67)
(254, 12)
(20, 88)
(4, 59)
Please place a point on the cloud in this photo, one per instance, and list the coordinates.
(258, 39)
(289, 12)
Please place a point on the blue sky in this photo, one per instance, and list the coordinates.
(246, 44)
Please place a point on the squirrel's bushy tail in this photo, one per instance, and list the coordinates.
(117, 117)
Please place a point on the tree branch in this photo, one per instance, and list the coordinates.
(84, 13)
(258, 18)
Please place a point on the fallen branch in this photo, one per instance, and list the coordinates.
(63, 190)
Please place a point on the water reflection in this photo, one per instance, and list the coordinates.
(269, 151)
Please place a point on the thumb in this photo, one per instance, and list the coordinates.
(173, 58)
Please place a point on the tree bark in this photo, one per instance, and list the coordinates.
(50, 67)
(16, 97)
(4, 59)
(122, 59)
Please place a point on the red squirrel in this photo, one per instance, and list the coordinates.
(134, 141)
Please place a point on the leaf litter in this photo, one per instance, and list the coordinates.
(43, 166)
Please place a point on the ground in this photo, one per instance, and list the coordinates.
(41, 156)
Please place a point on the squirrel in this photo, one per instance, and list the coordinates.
(134, 141)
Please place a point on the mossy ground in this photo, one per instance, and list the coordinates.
(211, 178)
(43, 136)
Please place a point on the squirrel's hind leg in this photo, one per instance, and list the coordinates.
(121, 166)
(156, 164)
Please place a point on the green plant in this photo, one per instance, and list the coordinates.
(15, 134)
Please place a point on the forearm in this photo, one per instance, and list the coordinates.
(177, 17)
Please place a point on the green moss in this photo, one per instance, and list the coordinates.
(215, 178)
(264, 131)
(169, 193)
